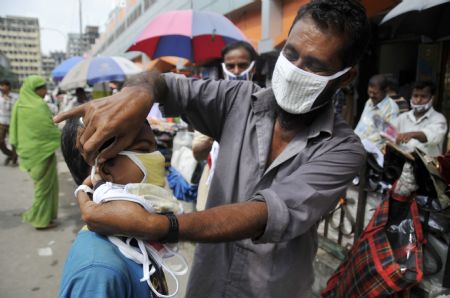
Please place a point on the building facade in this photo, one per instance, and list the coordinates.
(21, 43)
(78, 45)
(48, 64)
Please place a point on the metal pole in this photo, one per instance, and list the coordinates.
(362, 201)
(81, 28)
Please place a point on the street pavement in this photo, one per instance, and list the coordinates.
(32, 261)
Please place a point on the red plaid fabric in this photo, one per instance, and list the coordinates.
(371, 268)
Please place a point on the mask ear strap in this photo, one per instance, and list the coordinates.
(131, 155)
(227, 73)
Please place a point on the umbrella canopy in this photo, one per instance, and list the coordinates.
(420, 17)
(99, 69)
(193, 35)
(62, 69)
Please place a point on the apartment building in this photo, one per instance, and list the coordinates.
(20, 42)
(48, 64)
(78, 45)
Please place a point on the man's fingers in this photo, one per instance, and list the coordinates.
(75, 112)
(83, 199)
(92, 145)
(119, 144)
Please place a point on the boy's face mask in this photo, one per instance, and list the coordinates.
(151, 164)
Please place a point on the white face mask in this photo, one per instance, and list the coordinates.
(296, 90)
(422, 108)
(151, 165)
(246, 75)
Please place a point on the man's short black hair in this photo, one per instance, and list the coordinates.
(74, 160)
(379, 81)
(240, 45)
(6, 83)
(425, 84)
(346, 17)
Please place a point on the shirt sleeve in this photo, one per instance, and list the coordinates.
(96, 281)
(299, 200)
(435, 131)
(206, 103)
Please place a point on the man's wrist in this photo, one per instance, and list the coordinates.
(172, 231)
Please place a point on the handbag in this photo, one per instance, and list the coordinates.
(382, 262)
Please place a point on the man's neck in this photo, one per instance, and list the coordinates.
(377, 101)
(281, 137)
(419, 115)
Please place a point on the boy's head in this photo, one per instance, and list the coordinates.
(141, 160)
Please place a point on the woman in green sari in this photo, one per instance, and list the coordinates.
(36, 138)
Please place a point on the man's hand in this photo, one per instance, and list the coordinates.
(407, 136)
(121, 218)
(116, 119)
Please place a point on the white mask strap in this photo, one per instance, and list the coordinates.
(132, 155)
(316, 76)
(245, 75)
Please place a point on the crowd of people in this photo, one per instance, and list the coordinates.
(275, 159)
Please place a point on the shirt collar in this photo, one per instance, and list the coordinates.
(413, 118)
(323, 122)
(382, 103)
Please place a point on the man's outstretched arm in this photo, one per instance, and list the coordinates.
(219, 224)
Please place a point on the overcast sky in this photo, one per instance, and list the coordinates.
(59, 17)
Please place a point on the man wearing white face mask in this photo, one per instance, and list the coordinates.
(238, 64)
(284, 158)
(422, 127)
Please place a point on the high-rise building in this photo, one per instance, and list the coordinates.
(58, 56)
(75, 45)
(20, 42)
(78, 45)
(48, 64)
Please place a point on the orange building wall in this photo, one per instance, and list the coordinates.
(250, 21)
(375, 7)
(250, 24)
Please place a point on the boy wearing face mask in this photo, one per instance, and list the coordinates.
(137, 175)
(422, 127)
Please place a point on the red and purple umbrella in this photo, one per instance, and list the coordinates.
(194, 35)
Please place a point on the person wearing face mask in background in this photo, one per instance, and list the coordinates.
(284, 160)
(422, 127)
(238, 64)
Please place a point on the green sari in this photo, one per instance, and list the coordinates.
(36, 138)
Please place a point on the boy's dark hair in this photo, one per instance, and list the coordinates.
(345, 17)
(425, 84)
(6, 83)
(75, 162)
(379, 81)
(240, 45)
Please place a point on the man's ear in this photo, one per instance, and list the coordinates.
(349, 77)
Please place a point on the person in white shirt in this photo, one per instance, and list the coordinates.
(378, 104)
(422, 127)
(6, 103)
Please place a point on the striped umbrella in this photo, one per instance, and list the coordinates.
(62, 69)
(99, 69)
(193, 35)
